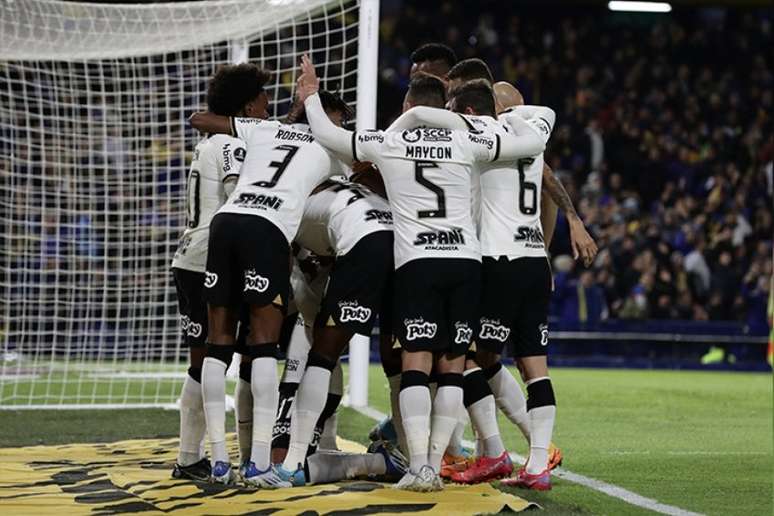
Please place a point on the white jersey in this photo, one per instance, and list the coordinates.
(427, 174)
(283, 166)
(339, 215)
(509, 223)
(216, 158)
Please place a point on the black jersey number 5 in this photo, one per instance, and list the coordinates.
(419, 174)
(527, 188)
(290, 151)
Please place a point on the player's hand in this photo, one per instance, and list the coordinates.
(583, 246)
(308, 84)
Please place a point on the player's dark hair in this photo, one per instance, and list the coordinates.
(470, 69)
(434, 52)
(427, 90)
(233, 86)
(330, 102)
(476, 94)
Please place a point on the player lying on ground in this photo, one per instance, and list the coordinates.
(217, 159)
(436, 252)
(249, 262)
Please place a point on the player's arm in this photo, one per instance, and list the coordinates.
(525, 142)
(229, 161)
(429, 117)
(583, 246)
(207, 122)
(326, 133)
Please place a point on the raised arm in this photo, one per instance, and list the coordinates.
(327, 134)
(207, 122)
(430, 117)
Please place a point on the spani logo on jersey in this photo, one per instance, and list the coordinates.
(210, 279)
(464, 333)
(419, 328)
(189, 327)
(258, 201)
(254, 281)
(441, 240)
(493, 329)
(529, 235)
(380, 216)
(352, 311)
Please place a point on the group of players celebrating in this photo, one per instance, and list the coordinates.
(302, 233)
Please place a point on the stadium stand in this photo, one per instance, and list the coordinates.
(650, 114)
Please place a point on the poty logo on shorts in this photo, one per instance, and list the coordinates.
(419, 328)
(210, 279)
(543, 334)
(190, 328)
(352, 311)
(254, 281)
(464, 333)
(493, 329)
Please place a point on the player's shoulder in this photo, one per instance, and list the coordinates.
(220, 140)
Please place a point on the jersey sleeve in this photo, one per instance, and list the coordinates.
(366, 145)
(242, 128)
(230, 155)
(541, 118)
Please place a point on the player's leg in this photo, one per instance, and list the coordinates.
(349, 307)
(220, 293)
(383, 462)
(531, 346)
(243, 397)
(502, 290)
(191, 461)
(298, 346)
(417, 309)
(328, 420)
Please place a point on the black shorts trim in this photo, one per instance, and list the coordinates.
(353, 297)
(514, 306)
(248, 261)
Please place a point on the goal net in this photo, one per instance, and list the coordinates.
(94, 148)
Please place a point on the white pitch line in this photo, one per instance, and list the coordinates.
(592, 483)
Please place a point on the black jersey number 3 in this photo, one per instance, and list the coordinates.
(290, 151)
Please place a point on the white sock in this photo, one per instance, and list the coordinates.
(541, 426)
(328, 436)
(307, 407)
(192, 423)
(446, 408)
(265, 388)
(510, 399)
(397, 420)
(214, 396)
(415, 407)
(483, 414)
(333, 467)
(455, 442)
(244, 418)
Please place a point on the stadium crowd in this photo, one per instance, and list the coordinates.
(664, 140)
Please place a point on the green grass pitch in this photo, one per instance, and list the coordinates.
(698, 441)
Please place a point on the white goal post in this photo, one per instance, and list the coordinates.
(94, 149)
